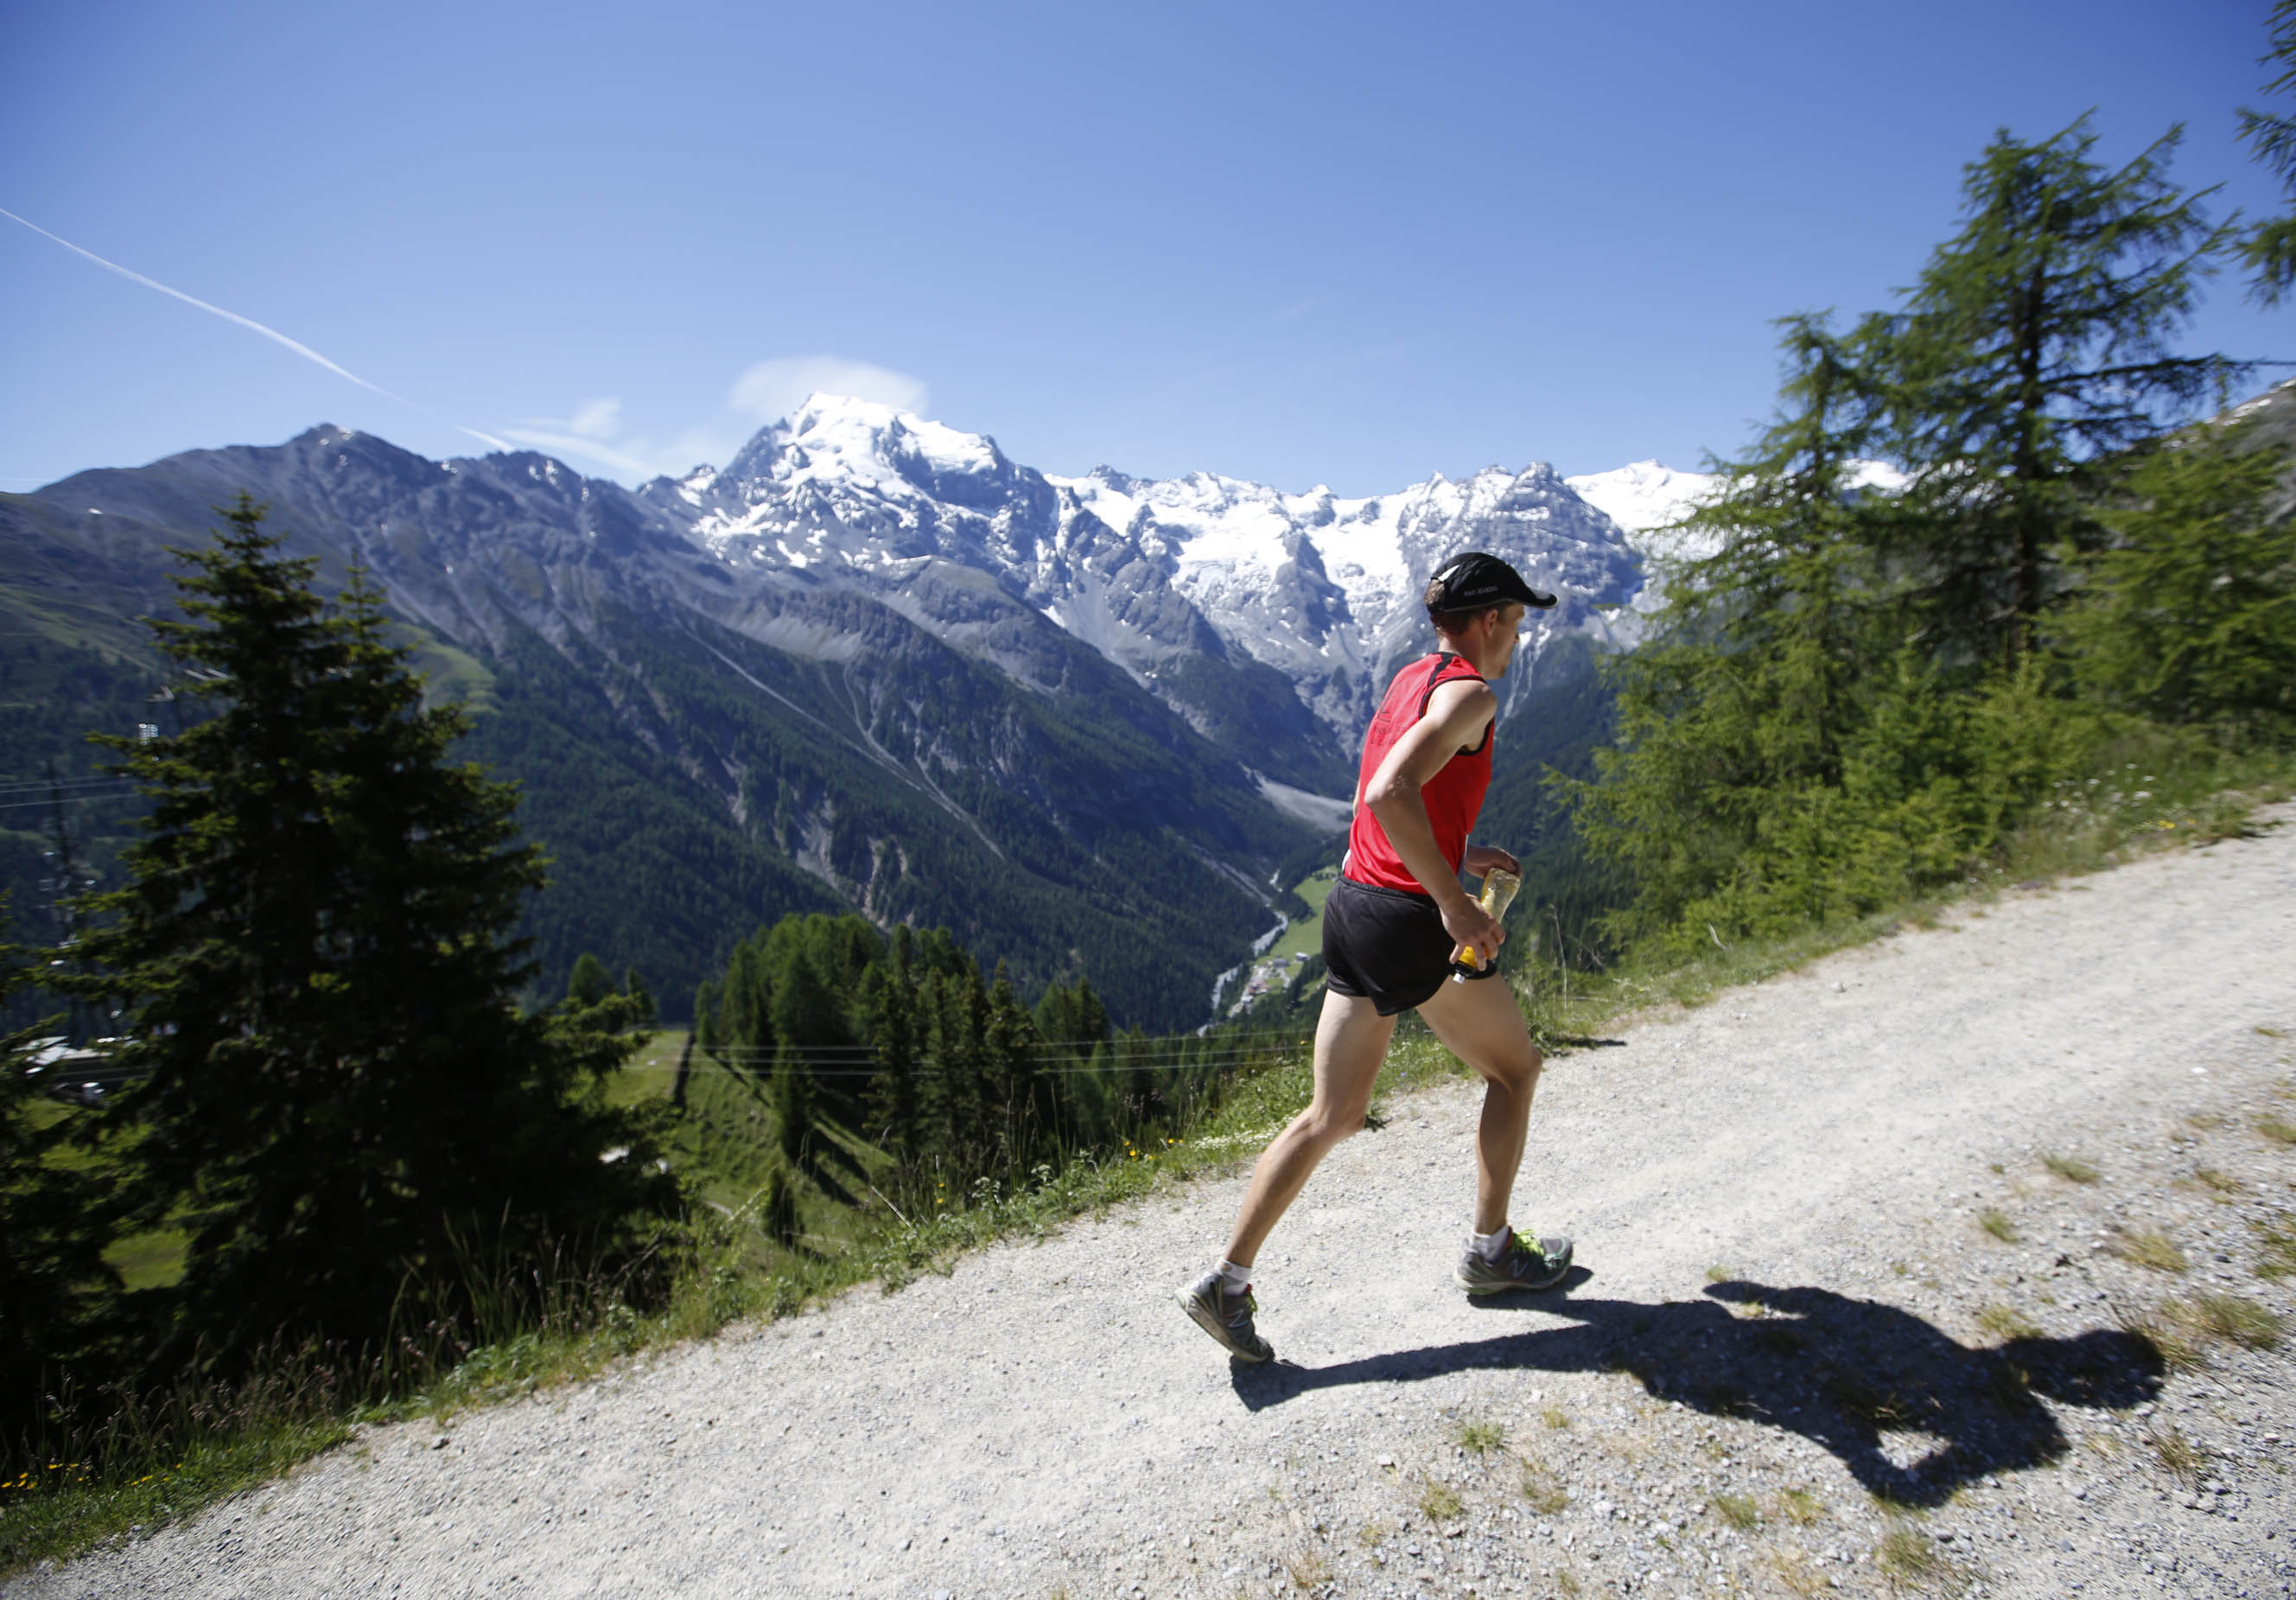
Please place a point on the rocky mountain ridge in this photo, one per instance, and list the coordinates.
(1189, 584)
(871, 663)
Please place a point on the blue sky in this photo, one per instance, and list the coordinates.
(1337, 243)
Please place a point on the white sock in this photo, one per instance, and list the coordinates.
(1490, 1246)
(1234, 1279)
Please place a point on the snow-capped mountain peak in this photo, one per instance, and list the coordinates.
(833, 439)
(1647, 498)
(1644, 495)
(1152, 573)
(1325, 589)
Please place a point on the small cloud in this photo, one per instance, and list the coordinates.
(764, 393)
(590, 434)
(600, 419)
(771, 389)
(563, 443)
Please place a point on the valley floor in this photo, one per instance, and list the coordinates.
(1809, 1213)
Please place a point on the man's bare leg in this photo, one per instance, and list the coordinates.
(1351, 1040)
(1480, 1023)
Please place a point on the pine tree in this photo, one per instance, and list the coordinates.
(55, 1223)
(1741, 710)
(590, 982)
(315, 954)
(744, 1027)
(634, 986)
(1071, 1020)
(1021, 1091)
(2189, 616)
(1071, 1024)
(1089, 1017)
(955, 1005)
(807, 1014)
(2033, 349)
(777, 1211)
(706, 1029)
(892, 1107)
(804, 1138)
(2270, 247)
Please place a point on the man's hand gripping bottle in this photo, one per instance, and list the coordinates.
(1498, 893)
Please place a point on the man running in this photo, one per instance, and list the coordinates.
(1390, 927)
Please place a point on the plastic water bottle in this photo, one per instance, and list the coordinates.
(1498, 893)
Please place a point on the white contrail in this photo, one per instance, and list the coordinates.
(274, 334)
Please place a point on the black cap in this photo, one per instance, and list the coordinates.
(1471, 580)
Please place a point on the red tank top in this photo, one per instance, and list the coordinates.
(1454, 796)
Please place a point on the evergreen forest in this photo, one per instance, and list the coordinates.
(2059, 579)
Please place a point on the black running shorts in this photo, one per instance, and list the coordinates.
(1386, 946)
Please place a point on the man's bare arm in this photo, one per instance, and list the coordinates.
(1458, 713)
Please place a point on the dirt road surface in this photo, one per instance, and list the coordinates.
(1840, 1329)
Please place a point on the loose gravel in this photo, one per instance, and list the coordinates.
(1843, 1325)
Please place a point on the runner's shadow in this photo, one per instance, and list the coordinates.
(1847, 1375)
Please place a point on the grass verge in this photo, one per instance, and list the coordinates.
(2275, 1238)
(1908, 1559)
(1482, 1438)
(2184, 1330)
(2145, 1247)
(1739, 1511)
(1439, 1502)
(1543, 1488)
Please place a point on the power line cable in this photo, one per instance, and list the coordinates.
(103, 795)
(17, 785)
(1165, 1058)
(845, 1070)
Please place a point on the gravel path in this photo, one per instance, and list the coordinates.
(1782, 1369)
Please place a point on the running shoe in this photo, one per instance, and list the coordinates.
(1226, 1316)
(1524, 1264)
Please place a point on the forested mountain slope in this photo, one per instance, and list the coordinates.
(870, 664)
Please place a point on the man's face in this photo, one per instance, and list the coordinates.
(1507, 622)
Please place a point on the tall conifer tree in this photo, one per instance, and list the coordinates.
(1071, 1024)
(314, 952)
(2270, 247)
(589, 983)
(893, 1106)
(2190, 615)
(805, 1139)
(744, 1007)
(1735, 717)
(54, 1222)
(2033, 349)
(958, 1113)
(707, 1033)
(1019, 1085)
